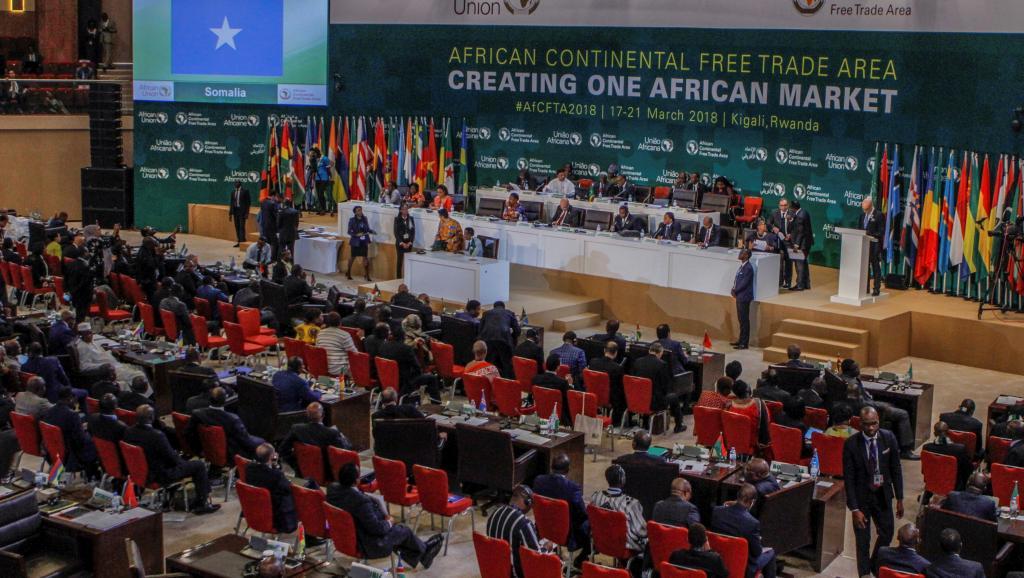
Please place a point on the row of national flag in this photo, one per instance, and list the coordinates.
(362, 157)
(940, 213)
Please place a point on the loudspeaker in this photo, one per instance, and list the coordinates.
(107, 196)
(36, 236)
(894, 281)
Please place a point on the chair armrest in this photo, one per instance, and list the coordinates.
(285, 421)
(1000, 564)
(11, 564)
(524, 466)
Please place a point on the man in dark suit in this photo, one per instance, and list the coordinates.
(61, 335)
(565, 215)
(611, 333)
(165, 465)
(405, 235)
(664, 332)
(708, 234)
(313, 433)
(639, 457)
(80, 283)
(391, 409)
(743, 293)
(626, 222)
(376, 535)
(239, 440)
(1015, 457)
(471, 314)
(608, 363)
(81, 452)
(105, 425)
(50, 369)
(530, 349)
(973, 501)
(873, 223)
(499, 328)
(287, 226)
(549, 379)
(264, 472)
(670, 229)
(135, 396)
(558, 486)
(943, 446)
(793, 354)
(653, 368)
(677, 510)
(238, 211)
(903, 558)
(803, 240)
(410, 375)
(781, 223)
(403, 298)
(736, 520)
(874, 477)
(700, 556)
(761, 478)
(767, 389)
(269, 209)
(359, 318)
(963, 420)
(950, 564)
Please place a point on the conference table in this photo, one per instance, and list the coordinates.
(916, 398)
(457, 277)
(317, 252)
(671, 264)
(157, 365)
(1001, 406)
(226, 557)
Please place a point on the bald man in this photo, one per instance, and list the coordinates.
(973, 501)
(944, 446)
(903, 557)
(873, 223)
(265, 472)
(313, 433)
(761, 478)
(735, 519)
(676, 509)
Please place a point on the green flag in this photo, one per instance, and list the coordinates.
(971, 255)
(873, 195)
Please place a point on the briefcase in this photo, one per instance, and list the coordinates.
(895, 281)
(592, 428)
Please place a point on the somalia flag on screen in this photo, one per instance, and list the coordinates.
(229, 37)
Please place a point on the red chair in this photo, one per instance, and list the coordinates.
(357, 336)
(342, 529)
(525, 369)
(787, 444)
(241, 464)
(92, 405)
(996, 449)
(545, 399)
(309, 508)
(855, 422)
(149, 321)
(180, 421)
(227, 312)
(751, 211)
(586, 403)
(493, 556)
(359, 366)
(886, 572)
(939, 473)
(830, 453)
(394, 483)
(774, 408)
(968, 438)
(475, 387)
(237, 344)
(639, 391)
(53, 441)
(817, 418)
(257, 508)
(214, 442)
(28, 285)
(170, 325)
(126, 416)
(1003, 478)
(316, 361)
(664, 540)
(444, 362)
(599, 384)
(707, 425)
(249, 320)
(734, 553)
(738, 429)
(202, 307)
(669, 571)
(552, 519)
(591, 570)
(295, 348)
(106, 313)
(562, 371)
(537, 565)
(311, 463)
(202, 334)
(29, 441)
(662, 192)
(509, 398)
(110, 458)
(337, 456)
(435, 499)
(387, 373)
(608, 533)
(137, 465)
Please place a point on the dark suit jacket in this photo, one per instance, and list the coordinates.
(101, 388)
(901, 559)
(77, 442)
(61, 337)
(403, 411)
(771, 392)
(959, 421)
(630, 223)
(572, 219)
(616, 394)
(562, 488)
(983, 507)
(658, 372)
(736, 521)
(803, 231)
(131, 400)
(360, 321)
(409, 301)
(288, 224)
(552, 381)
(675, 511)
(672, 231)
(242, 208)
(404, 230)
(855, 469)
(707, 560)
(499, 325)
(743, 284)
(638, 458)
(371, 522)
(953, 566)
(1015, 457)
(79, 280)
(702, 236)
(314, 434)
(296, 290)
(782, 222)
(268, 218)
(160, 455)
(408, 366)
(281, 498)
(617, 338)
(198, 401)
(239, 440)
(531, 350)
(107, 427)
(52, 373)
(958, 451)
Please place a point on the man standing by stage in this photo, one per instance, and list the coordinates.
(743, 293)
(803, 240)
(269, 209)
(873, 223)
(238, 211)
(287, 226)
(780, 223)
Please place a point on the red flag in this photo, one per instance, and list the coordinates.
(285, 159)
(269, 175)
(431, 153)
(883, 180)
(707, 340)
(128, 496)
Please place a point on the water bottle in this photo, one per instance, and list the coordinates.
(732, 456)
(483, 403)
(1015, 500)
(553, 419)
(815, 469)
(232, 264)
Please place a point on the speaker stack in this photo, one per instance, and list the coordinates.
(106, 185)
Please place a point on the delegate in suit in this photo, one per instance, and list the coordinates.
(709, 234)
(736, 520)
(558, 486)
(743, 293)
(238, 211)
(265, 473)
(904, 557)
(873, 223)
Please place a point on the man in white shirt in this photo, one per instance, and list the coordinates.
(257, 254)
(92, 356)
(561, 185)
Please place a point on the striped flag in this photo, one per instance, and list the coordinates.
(984, 242)
(463, 185)
(56, 472)
(946, 217)
(882, 179)
(927, 257)
(284, 160)
(890, 217)
(448, 157)
(912, 212)
(128, 496)
(971, 216)
(364, 155)
(956, 244)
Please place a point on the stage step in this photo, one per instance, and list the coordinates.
(778, 355)
(815, 345)
(824, 331)
(817, 341)
(574, 322)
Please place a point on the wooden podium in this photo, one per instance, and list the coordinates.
(853, 268)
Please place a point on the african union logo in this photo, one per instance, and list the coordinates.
(667, 145)
(164, 91)
(502, 163)
(595, 139)
(197, 146)
(808, 7)
(522, 164)
(781, 156)
(780, 189)
(504, 134)
(870, 166)
(524, 7)
(272, 119)
(284, 94)
(254, 176)
(181, 118)
(691, 147)
(851, 163)
(163, 173)
(761, 154)
(178, 146)
(254, 120)
(594, 169)
(484, 132)
(575, 138)
(161, 117)
(799, 191)
(182, 174)
(705, 179)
